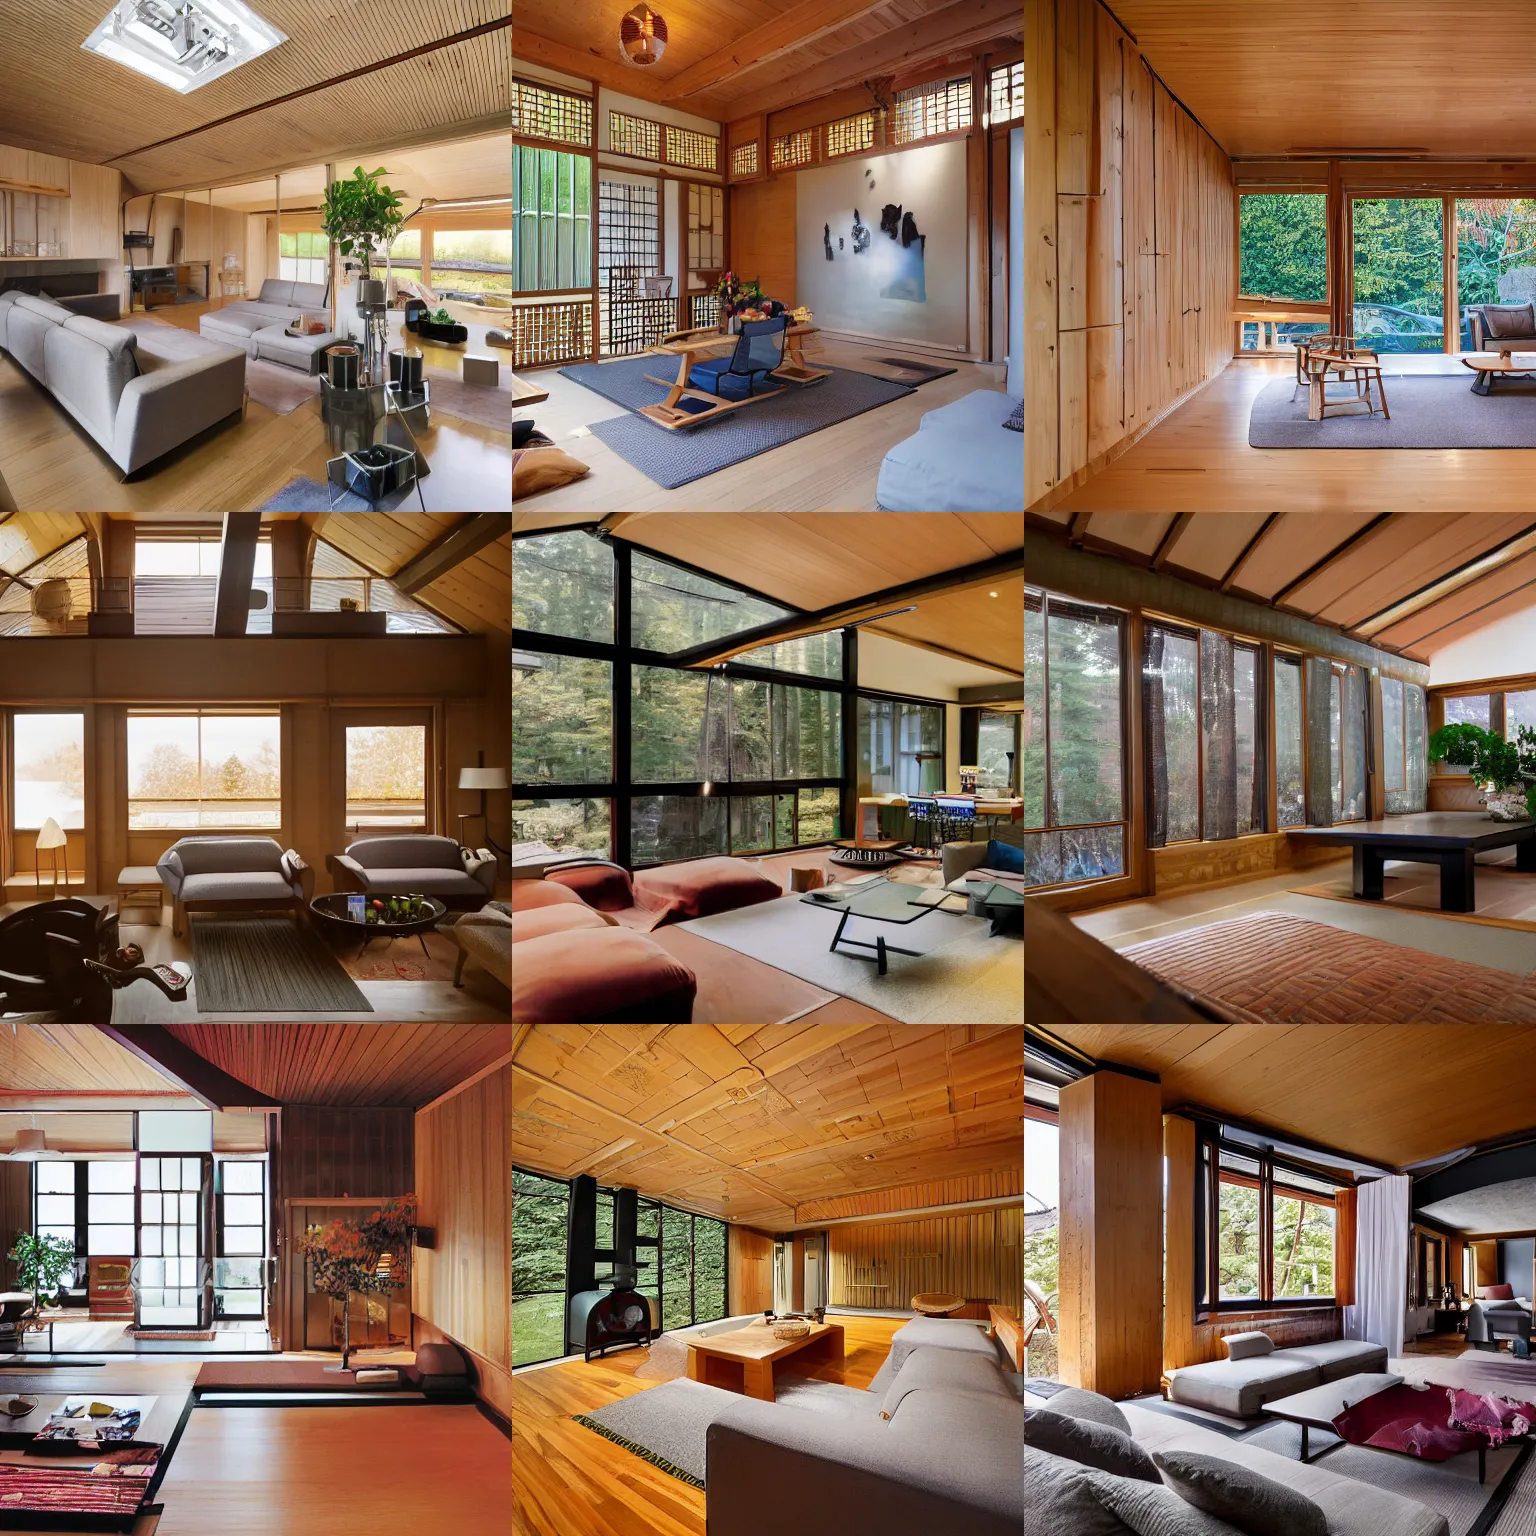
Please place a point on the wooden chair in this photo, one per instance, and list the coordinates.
(1361, 367)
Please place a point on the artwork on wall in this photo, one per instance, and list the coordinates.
(891, 261)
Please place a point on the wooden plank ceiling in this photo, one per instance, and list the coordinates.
(732, 58)
(812, 560)
(749, 1122)
(80, 105)
(1411, 582)
(1356, 1088)
(1221, 60)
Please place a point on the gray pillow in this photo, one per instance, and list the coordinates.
(1077, 1403)
(1243, 1346)
(1509, 319)
(1256, 1505)
(1150, 1511)
(1058, 1499)
(1089, 1444)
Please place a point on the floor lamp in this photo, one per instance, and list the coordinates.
(482, 778)
(50, 836)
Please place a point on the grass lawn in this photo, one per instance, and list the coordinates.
(538, 1328)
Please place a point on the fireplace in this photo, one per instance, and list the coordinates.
(603, 1320)
(605, 1310)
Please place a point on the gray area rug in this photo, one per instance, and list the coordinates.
(1428, 411)
(278, 388)
(268, 965)
(675, 458)
(472, 402)
(307, 495)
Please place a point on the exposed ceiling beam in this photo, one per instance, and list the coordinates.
(237, 570)
(595, 64)
(469, 1082)
(1353, 542)
(211, 1085)
(852, 611)
(455, 547)
(1169, 539)
(788, 31)
(1248, 548)
(1453, 581)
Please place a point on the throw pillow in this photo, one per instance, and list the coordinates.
(1015, 423)
(1079, 1403)
(1004, 856)
(1509, 319)
(1155, 1511)
(1256, 1505)
(543, 469)
(1496, 1292)
(1244, 1346)
(1497, 1419)
(1089, 1444)
(1059, 1499)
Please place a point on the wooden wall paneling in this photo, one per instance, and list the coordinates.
(1111, 1132)
(762, 234)
(749, 1270)
(994, 1184)
(15, 1215)
(1485, 1263)
(1075, 121)
(1073, 383)
(95, 192)
(977, 1255)
(1104, 301)
(1042, 391)
(1139, 237)
(32, 171)
(1346, 1230)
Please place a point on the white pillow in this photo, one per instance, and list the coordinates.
(1243, 1346)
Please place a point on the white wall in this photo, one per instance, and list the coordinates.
(846, 292)
(1503, 649)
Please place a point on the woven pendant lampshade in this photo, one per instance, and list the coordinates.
(642, 36)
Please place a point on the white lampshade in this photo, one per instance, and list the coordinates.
(51, 835)
(483, 778)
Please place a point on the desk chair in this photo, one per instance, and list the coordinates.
(759, 350)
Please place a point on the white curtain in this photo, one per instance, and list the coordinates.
(1381, 1264)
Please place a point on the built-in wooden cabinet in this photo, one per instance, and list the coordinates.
(94, 227)
(28, 171)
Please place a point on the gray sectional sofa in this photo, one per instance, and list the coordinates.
(946, 1460)
(259, 326)
(139, 390)
(1256, 1372)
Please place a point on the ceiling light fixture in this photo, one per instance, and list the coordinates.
(183, 44)
(991, 594)
(642, 36)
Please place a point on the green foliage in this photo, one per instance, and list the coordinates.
(1488, 756)
(362, 216)
(1495, 239)
(440, 316)
(42, 1261)
(1283, 246)
(1398, 243)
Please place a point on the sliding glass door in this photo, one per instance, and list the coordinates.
(1399, 273)
(1495, 254)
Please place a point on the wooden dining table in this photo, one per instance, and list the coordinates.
(688, 347)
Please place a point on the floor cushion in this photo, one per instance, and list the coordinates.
(542, 893)
(543, 469)
(559, 918)
(583, 976)
(1340, 1357)
(961, 459)
(603, 886)
(703, 887)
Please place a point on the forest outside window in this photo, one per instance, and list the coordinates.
(563, 709)
(1282, 240)
(1404, 746)
(387, 778)
(1073, 775)
(540, 1215)
(204, 771)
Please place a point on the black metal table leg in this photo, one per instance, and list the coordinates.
(880, 954)
(841, 924)
(1525, 855)
(1303, 1442)
(1458, 891)
(1370, 869)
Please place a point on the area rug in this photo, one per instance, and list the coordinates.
(471, 402)
(961, 975)
(278, 388)
(267, 965)
(1503, 895)
(908, 370)
(1431, 410)
(1287, 970)
(665, 1425)
(676, 458)
(402, 960)
(306, 495)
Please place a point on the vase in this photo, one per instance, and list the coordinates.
(1506, 805)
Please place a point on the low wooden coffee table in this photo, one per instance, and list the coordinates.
(742, 1361)
(1488, 365)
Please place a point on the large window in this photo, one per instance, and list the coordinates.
(562, 584)
(239, 1281)
(1282, 242)
(673, 608)
(693, 1269)
(1400, 273)
(1290, 744)
(997, 751)
(476, 265)
(176, 583)
(901, 747)
(1041, 1236)
(387, 777)
(1403, 745)
(540, 1214)
(551, 220)
(1495, 251)
(304, 257)
(562, 709)
(49, 757)
(564, 824)
(204, 771)
(87, 1202)
(1073, 744)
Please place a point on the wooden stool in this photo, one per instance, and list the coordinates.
(805, 878)
(936, 1303)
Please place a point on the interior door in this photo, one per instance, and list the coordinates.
(815, 1261)
(173, 1283)
(783, 1282)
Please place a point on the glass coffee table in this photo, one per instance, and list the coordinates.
(883, 901)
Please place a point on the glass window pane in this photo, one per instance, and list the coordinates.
(110, 1208)
(56, 1210)
(64, 1234)
(1170, 687)
(386, 776)
(820, 818)
(1034, 711)
(149, 1173)
(109, 1178)
(1494, 240)
(562, 584)
(751, 823)
(115, 1240)
(192, 1169)
(1417, 752)
(151, 1272)
(785, 815)
(188, 772)
(1084, 658)
(673, 608)
(807, 733)
(244, 1210)
(562, 725)
(1283, 246)
(664, 827)
(188, 1207)
(1399, 273)
(539, 1214)
(236, 1272)
(604, 1222)
(50, 770)
(814, 655)
(176, 1130)
(150, 1206)
(1303, 1247)
(150, 1239)
(676, 1269)
(1245, 683)
(242, 1178)
(1354, 702)
(1289, 783)
(709, 1269)
(1238, 1252)
(1073, 854)
(244, 1240)
(576, 824)
(1471, 709)
(1394, 769)
(667, 724)
(56, 1178)
(1519, 709)
(997, 751)
(751, 732)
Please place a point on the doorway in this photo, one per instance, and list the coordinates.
(1399, 273)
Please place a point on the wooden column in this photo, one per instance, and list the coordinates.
(1111, 1234)
(1345, 1226)
(1179, 1343)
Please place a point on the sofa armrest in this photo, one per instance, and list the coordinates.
(960, 858)
(347, 872)
(1475, 315)
(161, 410)
(171, 872)
(300, 876)
(480, 865)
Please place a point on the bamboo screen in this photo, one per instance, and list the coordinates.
(744, 159)
(978, 1255)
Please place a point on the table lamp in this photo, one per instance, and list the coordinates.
(50, 836)
(482, 778)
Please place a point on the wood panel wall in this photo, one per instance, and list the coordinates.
(1485, 1263)
(462, 1286)
(749, 1270)
(997, 1184)
(1111, 1240)
(1128, 259)
(15, 1215)
(1186, 1342)
(978, 1255)
(762, 232)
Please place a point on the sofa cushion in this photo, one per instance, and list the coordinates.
(1239, 1388)
(223, 855)
(943, 1370)
(1502, 320)
(45, 308)
(961, 459)
(406, 851)
(1255, 1504)
(527, 894)
(948, 1333)
(1154, 1511)
(1338, 1358)
(1245, 1346)
(237, 885)
(538, 921)
(276, 291)
(429, 881)
(1004, 856)
(1079, 1403)
(1496, 1292)
(587, 977)
(702, 887)
(1088, 1444)
(308, 295)
(1060, 1499)
(89, 365)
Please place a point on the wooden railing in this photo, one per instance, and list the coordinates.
(549, 332)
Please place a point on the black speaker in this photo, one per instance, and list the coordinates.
(426, 1237)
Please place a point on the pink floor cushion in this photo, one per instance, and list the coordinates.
(527, 894)
(557, 918)
(1496, 1419)
(1408, 1419)
(702, 887)
(583, 976)
(604, 886)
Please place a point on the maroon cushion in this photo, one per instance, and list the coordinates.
(1496, 1292)
(591, 977)
(604, 886)
(702, 887)
(558, 918)
(527, 894)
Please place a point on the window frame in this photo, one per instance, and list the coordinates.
(362, 718)
(197, 713)
(1305, 308)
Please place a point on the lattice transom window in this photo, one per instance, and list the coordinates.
(540, 113)
(849, 135)
(791, 149)
(925, 111)
(1005, 91)
(744, 159)
(637, 136)
(697, 151)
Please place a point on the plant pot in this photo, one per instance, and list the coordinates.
(1506, 805)
(449, 335)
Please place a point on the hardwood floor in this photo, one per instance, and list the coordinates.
(568, 1481)
(834, 469)
(1198, 460)
(50, 464)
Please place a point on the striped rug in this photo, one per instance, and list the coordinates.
(267, 965)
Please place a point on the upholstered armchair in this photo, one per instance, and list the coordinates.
(234, 874)
(417, 864)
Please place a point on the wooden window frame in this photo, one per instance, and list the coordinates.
(520, 134)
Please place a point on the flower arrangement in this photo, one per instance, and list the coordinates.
(396, 909)
(363, 1257)
(743, 297)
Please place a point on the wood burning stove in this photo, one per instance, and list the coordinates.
(605, 1311)
(603, 1320)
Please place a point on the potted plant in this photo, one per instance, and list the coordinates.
(361, 217)
(438, 325)
(1506, 769)
(42, 1264)
(366, 1258)
(737, 295)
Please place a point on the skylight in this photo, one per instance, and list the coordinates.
(183, 43)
